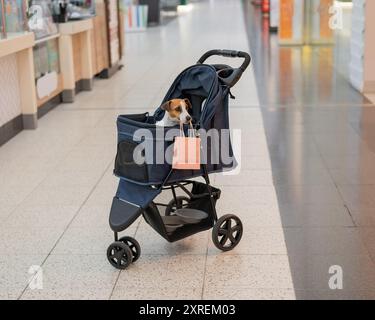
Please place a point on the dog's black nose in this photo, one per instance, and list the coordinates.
(188, 118)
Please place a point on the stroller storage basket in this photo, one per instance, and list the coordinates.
(200, 199)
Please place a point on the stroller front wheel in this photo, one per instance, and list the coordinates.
(119, 255)
(227, 232)
(133, 245)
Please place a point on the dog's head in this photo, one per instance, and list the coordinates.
(178, 110)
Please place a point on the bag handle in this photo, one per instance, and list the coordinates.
(190, 131)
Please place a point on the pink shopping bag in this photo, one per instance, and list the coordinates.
(186, 151)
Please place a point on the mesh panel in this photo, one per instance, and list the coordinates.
(125, 166)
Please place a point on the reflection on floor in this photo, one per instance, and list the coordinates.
(321, 140)
(296, 75)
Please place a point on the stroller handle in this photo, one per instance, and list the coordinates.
(228, 54)
(228, 75)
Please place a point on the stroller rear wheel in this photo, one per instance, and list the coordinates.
(133, 245)
(227, 232)
(173, 205)
(119, 255)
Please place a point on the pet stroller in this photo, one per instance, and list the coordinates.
(207, 87)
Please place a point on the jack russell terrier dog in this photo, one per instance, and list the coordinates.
(176, 111)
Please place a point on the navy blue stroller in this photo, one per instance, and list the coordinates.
(208, 88)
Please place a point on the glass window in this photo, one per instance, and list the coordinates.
(46, 58)
(14, 16)
(45, 25)
(2, 20)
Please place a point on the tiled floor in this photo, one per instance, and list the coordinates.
(305, 193)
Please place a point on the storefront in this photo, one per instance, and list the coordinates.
(50, 57)
(346, 25)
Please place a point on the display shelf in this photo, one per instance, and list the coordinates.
(58, 89)
(44, 25)
(47, 38)
(48, 77)
(16, 42)
(20, 47)
(75, 47)
(76, 26)
(108, 38)
(99, 40)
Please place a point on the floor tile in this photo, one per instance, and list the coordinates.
(86, 240)
(16, 273)
(153, 243)
(250, 271)
(34, 241)
(164, 271)
(58, 195)
(156, 293)
(41, 216)
(297, 241)
(92, 217)
(358, 197)
(335, 295)
(75, 277)
(218, 293)
(295, 215)
(364, 217)
(312, 272)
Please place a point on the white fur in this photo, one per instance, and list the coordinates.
(167, 121)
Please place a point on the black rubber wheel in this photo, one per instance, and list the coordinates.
(174, 205)
(227, 232)
(133, 245)
(119, 255)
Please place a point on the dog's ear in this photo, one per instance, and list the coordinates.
(188, 104)
(166, 106)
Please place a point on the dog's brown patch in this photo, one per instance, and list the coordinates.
(188, 104)
(174, 107)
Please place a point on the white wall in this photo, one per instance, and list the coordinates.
(357, 44)
(10, 104)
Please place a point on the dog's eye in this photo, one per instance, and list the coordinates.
(178, 109)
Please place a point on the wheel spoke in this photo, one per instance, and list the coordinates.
(224, 240)
(223, 232)
(231, 238)
(228, 224)
(235, 228)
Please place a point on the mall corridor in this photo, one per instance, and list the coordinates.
(305, 191)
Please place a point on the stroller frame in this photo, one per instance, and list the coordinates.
(182, 185)
(226, 231)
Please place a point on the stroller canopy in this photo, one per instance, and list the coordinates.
(200, 84)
